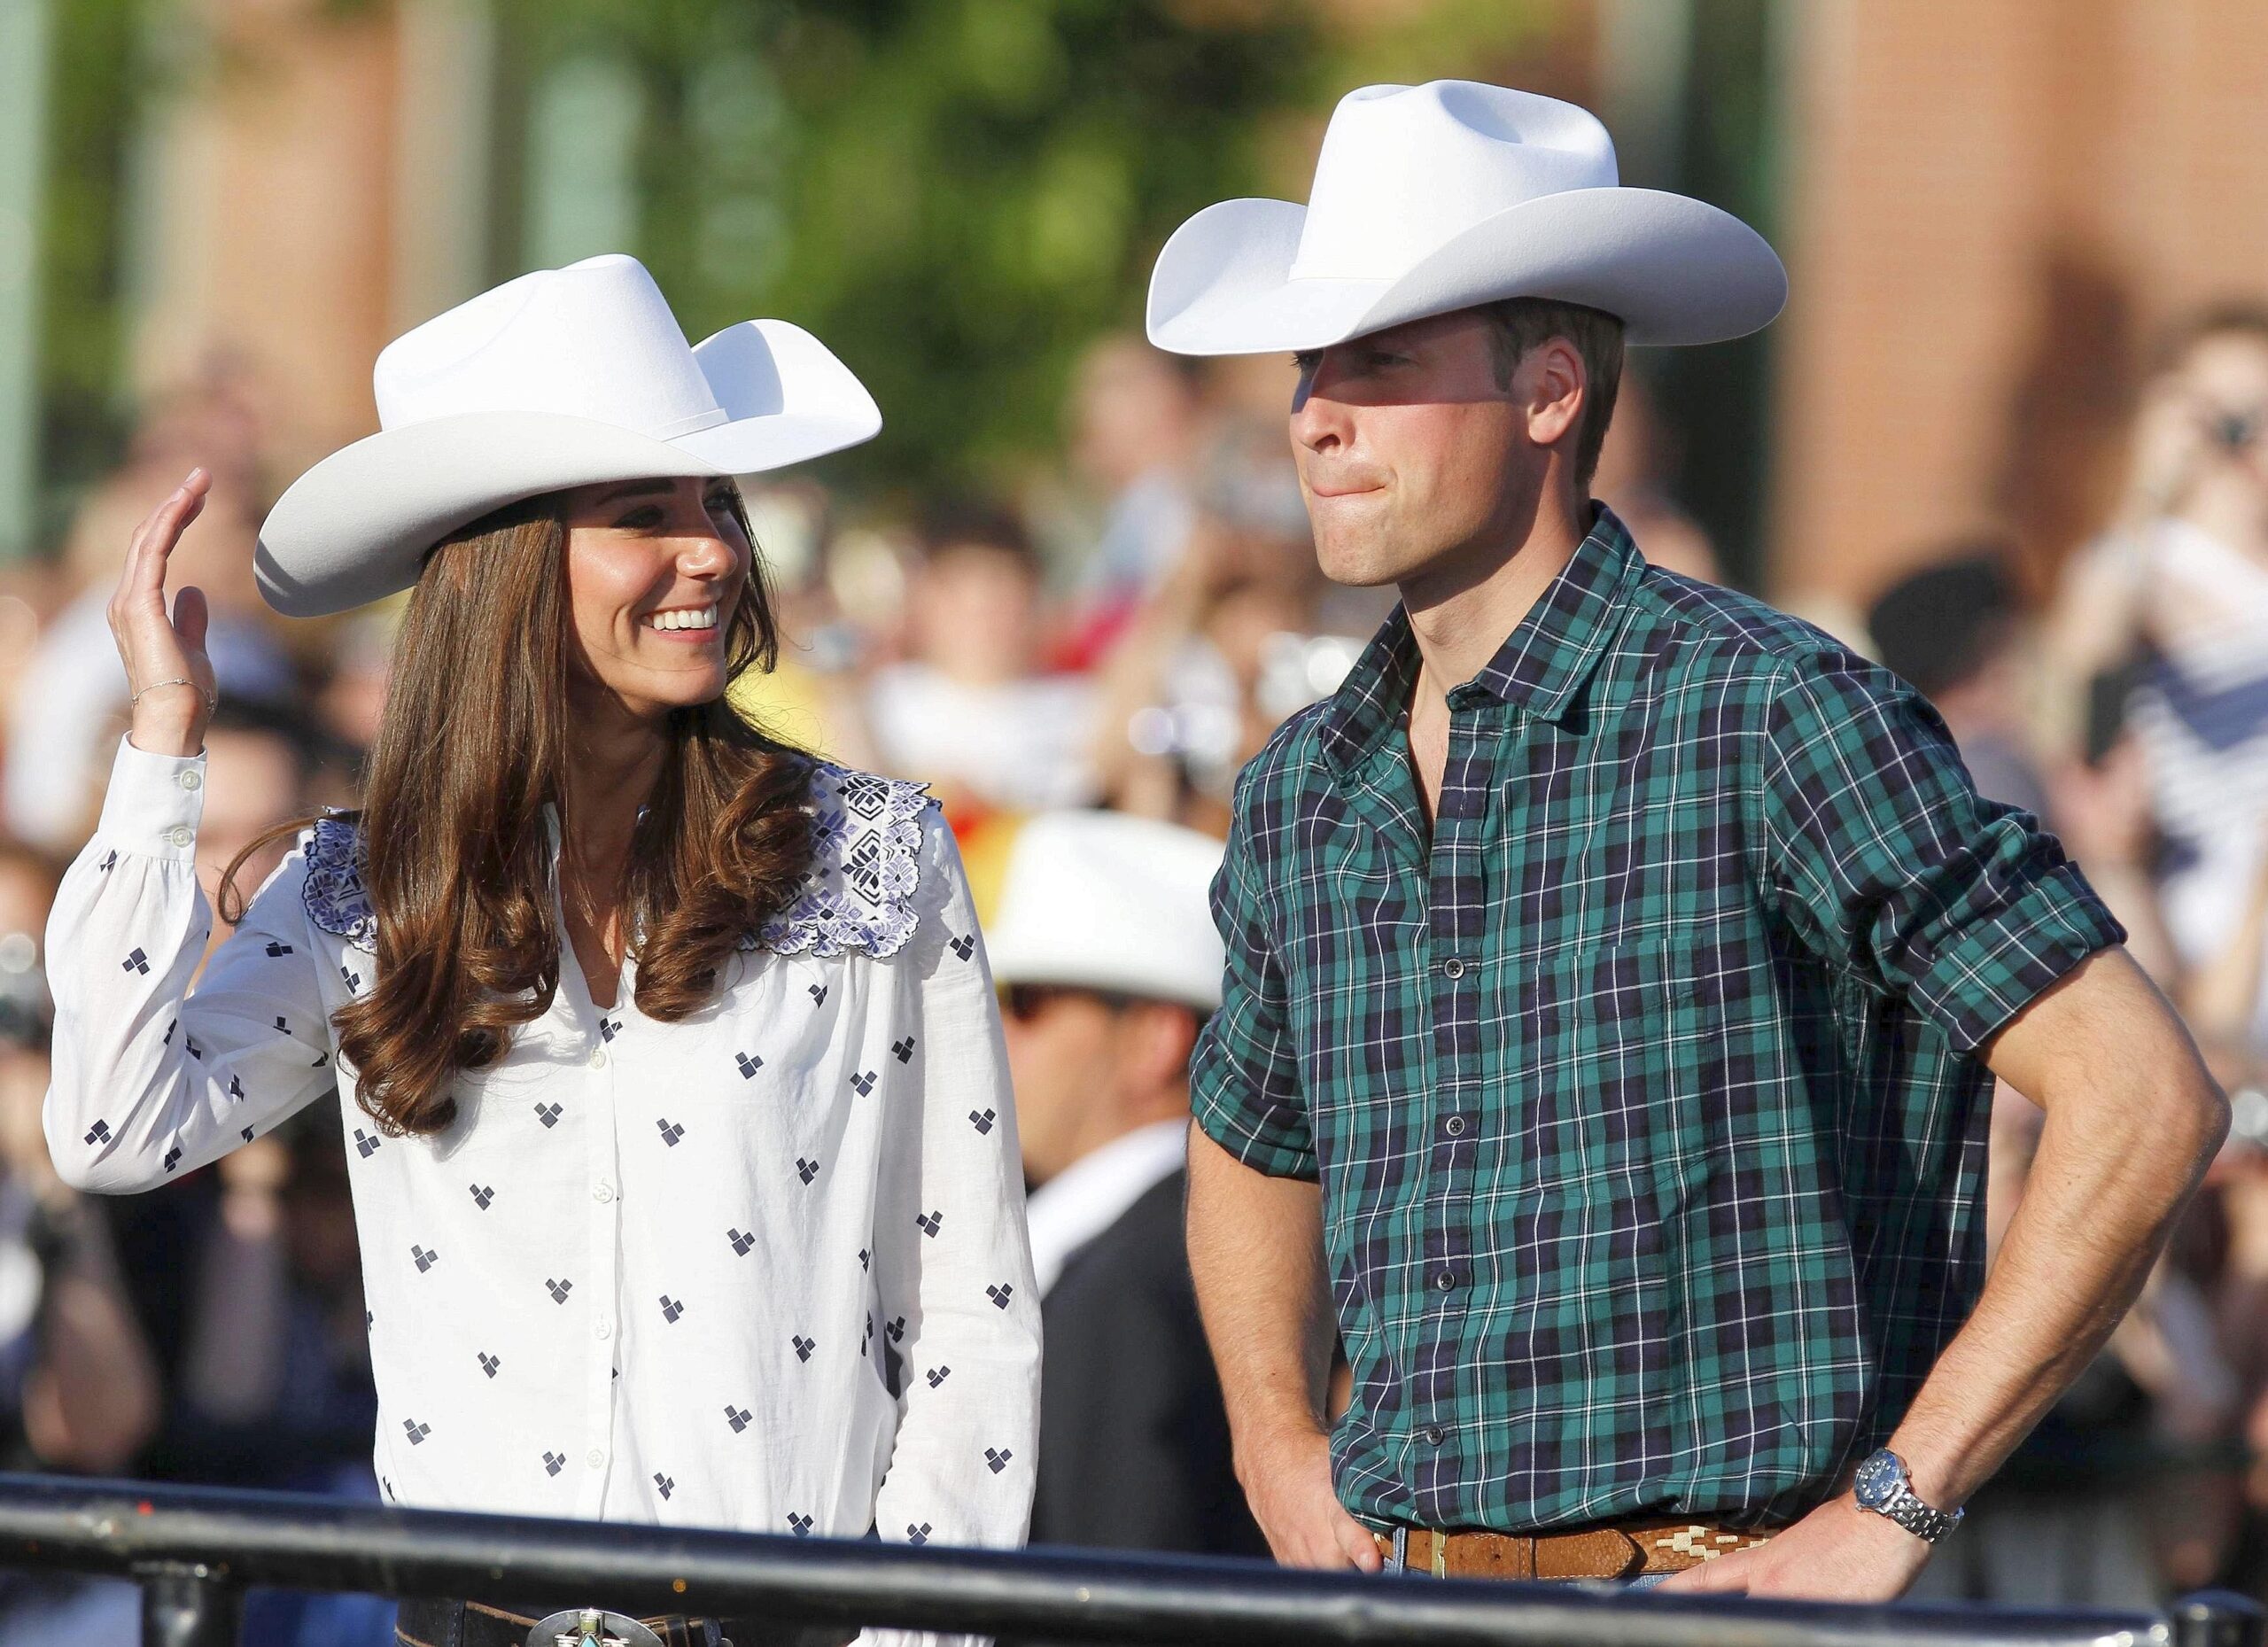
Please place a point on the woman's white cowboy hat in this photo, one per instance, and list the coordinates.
(559, 378)
(1437, 197)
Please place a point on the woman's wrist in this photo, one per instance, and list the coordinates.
(155, 732)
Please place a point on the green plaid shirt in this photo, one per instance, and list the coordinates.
(1643, 1091)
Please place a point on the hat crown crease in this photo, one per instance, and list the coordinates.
(1403, 170)
(596, 339)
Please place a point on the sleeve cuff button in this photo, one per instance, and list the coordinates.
(191, 780)
(181, 834)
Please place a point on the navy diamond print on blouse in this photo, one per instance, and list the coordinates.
(548, 1114)
(172, 1024)
(364, 1144)
(236, 1087)
(1000, 1294)
(818, 992)
(867, 1337)
(748, 1066)
(799, 1524)
(109, 861)
(425, 1260)
(964, 946)
(354, 979)
(369, 1320)
(671, 1309)
(903, 1049)
(739, 1417)
(281, 1026)
(608, 1027)
(929, 1221)
(276, 948)
(982, 1119)
(917, 1534)
(137, 962)
(320, 1060)
(554, 1463)
(670, 1133)
(937, 1375)
(896, 1331)
(173, 1158)
(996, 1458)
(863, 1083)
(189, 1044)
(482, 1194)
(864, 1257)
(415, 1430)
(387, 1485)
(807, 1169)
(247, 1135)
(559, 1290)
(98, 1133)
(489, 1363)
(663, 1483)
(741, 1242)
(804, 1347)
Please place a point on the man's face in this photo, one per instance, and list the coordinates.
(1409, 450)
(1060, 1045)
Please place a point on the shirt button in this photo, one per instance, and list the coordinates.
(595, 1458)
(181, 834)
(1445, 1281)
(1454, 966)
(598, 1058)
(601, 1192)
(605, 1328)
(1454, 1126)
(190, 779)
(1432, 1435)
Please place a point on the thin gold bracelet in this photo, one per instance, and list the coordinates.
(211, 699)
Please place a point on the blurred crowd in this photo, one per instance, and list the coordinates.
(1123, 634)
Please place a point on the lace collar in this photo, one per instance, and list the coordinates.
(859, 896)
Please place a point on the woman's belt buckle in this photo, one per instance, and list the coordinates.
(590, 1627)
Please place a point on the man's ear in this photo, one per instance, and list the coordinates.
(1552, 385)
(1155, 1040)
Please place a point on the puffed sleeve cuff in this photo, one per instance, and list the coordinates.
(154, 804)
(1992, 969)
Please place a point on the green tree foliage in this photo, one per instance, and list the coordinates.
(959, 194)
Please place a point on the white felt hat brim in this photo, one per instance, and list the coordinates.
(356, 526)
(1674, 269)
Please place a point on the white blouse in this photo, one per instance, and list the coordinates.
(763, 1269)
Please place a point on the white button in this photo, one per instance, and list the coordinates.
(601, 1192)
(595, 1458)
(181, 834)
(605, 1328)
(190, 779)
(598, 1058)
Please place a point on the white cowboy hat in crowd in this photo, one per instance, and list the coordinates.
(1437, 197)
(1103, 901)
(562, 377)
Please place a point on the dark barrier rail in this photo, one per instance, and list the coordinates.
(194, 1551)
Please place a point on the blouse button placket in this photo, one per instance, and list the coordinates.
(601, 1143)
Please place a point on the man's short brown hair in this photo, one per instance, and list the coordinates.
(1518, 324)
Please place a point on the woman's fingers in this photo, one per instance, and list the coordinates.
(190, 618)
(155, 538)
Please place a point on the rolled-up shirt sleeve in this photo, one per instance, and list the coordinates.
(1888, 864)
(1243, 1078)
(150, 1080)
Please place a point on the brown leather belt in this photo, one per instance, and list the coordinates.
(1624, 1551)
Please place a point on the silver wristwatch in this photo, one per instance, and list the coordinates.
(1884, 1487)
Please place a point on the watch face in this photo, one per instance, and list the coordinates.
(1877, 1479)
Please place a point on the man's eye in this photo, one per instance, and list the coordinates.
(1307, 363)
(720, 502)
(639, 519)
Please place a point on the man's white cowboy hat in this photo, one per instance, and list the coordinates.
(559, 378)
(1102, 901)
(1436, 198)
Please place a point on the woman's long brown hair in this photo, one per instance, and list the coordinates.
(455, 856)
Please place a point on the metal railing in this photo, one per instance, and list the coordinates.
(194, 1551)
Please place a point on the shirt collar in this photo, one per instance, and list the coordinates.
(1537, 671)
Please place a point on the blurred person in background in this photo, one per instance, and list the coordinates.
(78, 1390)
(973, 711)
(1633, 480)
(1137, 419)
(1107, 958)
(2181, 582)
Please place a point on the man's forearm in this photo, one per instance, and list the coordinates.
(1255, 1254)
(2132, 1120)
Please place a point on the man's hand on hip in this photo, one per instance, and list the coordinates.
(1287, 1482)
(1838, 1553)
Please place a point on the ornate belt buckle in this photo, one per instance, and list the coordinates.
(591, 1626)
